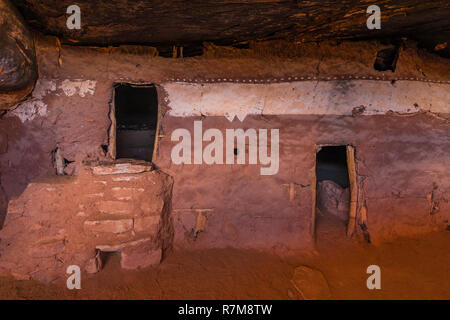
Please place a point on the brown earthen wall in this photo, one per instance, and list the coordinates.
(402, 158)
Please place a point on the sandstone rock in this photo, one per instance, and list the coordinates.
(146, 224)
(96, 195)
(333, 199)
(152, 206)
(124, 178)
(115, 207)
(18, 69)
(94, 264)
(112, 226)
(120, 168)
(140, 256)
(120, 246)
(310, 283)
(122, 193)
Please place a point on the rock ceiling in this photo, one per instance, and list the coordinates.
(106, 22)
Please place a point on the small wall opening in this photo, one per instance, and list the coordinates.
(110, 258)
(332, 192)
(386, 59)
(136, 117)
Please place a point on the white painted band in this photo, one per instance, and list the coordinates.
(306, 97)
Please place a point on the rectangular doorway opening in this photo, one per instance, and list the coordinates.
(135, 121)
(335, 192)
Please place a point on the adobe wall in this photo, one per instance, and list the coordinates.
(398, 123)
(397, 170)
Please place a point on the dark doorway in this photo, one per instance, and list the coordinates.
(332, 194)
(332, 165)
(136, 114)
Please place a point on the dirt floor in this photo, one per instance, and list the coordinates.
(411, 268)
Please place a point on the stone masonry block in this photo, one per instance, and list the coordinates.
(115, 207)
(120, 168)
(140, 256)
(122, 193)
(152, 206)
(111, 226)
(146, 224)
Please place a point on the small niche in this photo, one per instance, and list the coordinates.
(386, 59)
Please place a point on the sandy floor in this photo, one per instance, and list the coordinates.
(412, 268)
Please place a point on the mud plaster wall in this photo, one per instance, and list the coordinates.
(402, 159)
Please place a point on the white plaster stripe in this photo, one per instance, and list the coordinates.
(306, 97)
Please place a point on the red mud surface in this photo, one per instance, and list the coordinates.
(411, 268)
